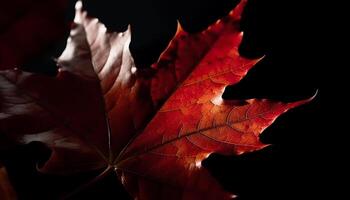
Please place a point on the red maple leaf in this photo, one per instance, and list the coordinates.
(152, 127)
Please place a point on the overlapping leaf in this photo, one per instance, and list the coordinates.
(29, 27)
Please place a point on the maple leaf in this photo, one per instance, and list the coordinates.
(152, 127)
(27, 28)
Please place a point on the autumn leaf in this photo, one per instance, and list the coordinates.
(27, 28)
(152, 127)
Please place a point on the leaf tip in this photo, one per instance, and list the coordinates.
(179, 28)
(133, 70)
(314, 96)
(78, 18)
(79, 5)
(238, 10)
(257, 60)
(301, 102)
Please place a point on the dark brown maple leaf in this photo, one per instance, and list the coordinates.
(152, 127)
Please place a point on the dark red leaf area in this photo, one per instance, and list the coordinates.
(28, 28)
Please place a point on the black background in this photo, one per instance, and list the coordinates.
(283, 31)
